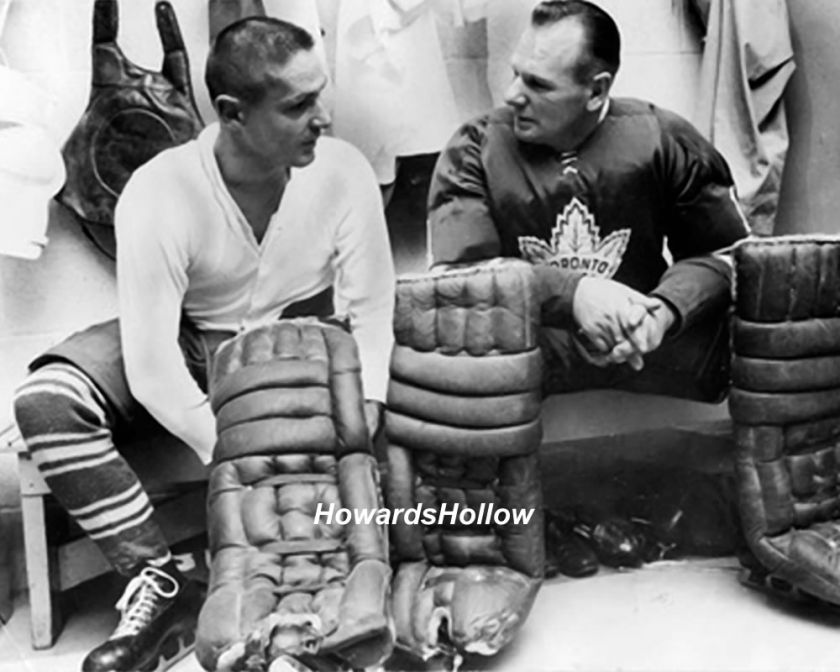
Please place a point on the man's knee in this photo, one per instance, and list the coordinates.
(693, 365)
(59, 398)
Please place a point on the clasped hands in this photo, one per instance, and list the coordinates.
(617, 324)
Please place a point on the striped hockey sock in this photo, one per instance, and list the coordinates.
(66, 424)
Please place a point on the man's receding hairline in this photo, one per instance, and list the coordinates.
(590, 18)
(585, 56)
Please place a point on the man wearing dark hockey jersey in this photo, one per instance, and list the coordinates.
(593, 190)
(623, 208)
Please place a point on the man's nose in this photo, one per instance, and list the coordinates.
(515, 95)
(322, 117)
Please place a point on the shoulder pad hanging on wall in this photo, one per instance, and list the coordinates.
(132, 115)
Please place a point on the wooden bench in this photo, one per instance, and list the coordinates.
(170, 473)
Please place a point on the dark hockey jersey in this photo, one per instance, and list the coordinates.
(642, 177)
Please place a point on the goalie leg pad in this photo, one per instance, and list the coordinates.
(288, 576)
(786, 407)
(463, 430)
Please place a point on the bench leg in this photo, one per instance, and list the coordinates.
(45, 620)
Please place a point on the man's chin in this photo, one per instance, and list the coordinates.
(304, 157)
(530, 138)
(526, 132)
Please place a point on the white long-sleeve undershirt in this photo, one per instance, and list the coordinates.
(185, 248)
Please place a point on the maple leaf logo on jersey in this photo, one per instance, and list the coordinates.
(576, 244)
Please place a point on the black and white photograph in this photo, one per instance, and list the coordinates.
(419, 335)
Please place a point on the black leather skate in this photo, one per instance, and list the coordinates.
(156, 628)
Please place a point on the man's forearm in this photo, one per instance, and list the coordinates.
(695, 287)
(556, 291)
(162, 383)
(192, 423)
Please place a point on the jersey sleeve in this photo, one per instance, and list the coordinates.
(706, 215)
(460, 226)
(705, 219)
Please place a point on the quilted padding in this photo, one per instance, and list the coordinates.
(786, 375)
(787, 279)
(805, 338)
(786, 406)
(463, 428)
(293, 444)
(480, 309)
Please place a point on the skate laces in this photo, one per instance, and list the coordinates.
(141, 600)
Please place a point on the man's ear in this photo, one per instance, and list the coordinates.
(600, 91)
(229, 109)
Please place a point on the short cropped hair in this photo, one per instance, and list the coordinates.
(243, 52)
(602, 36)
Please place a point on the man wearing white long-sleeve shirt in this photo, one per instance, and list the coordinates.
(255, 219)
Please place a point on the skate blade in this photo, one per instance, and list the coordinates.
(174, 649)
